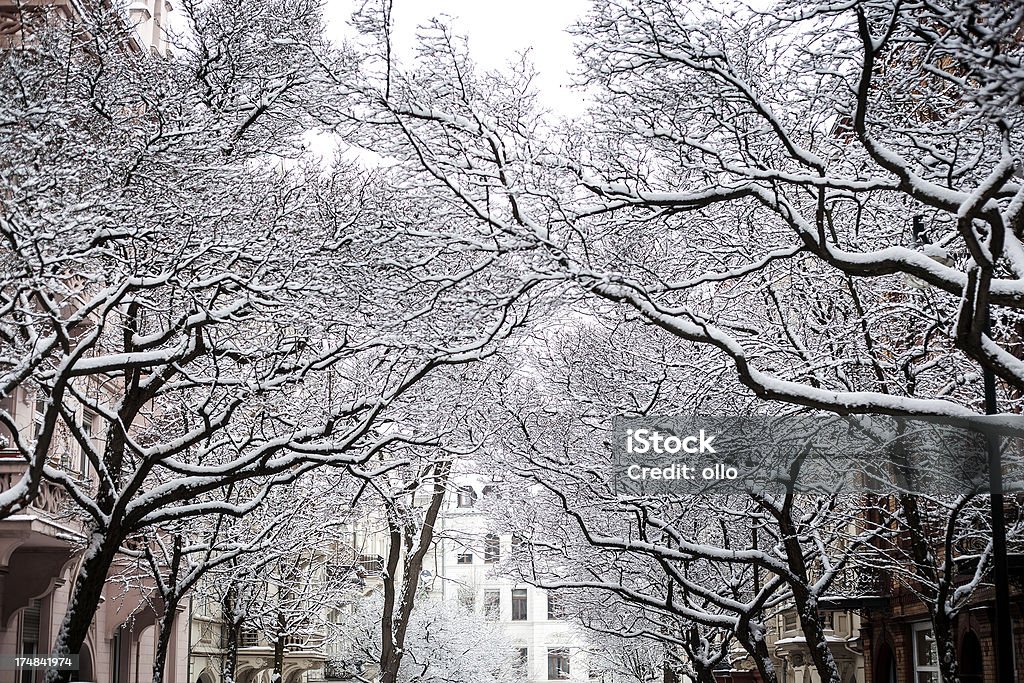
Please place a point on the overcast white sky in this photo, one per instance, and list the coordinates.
(497, 30)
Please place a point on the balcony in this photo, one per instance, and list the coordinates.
(302, 653)
(49, 500)
(37, 544)
(251, 640)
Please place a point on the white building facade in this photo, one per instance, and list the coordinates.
(470, 570)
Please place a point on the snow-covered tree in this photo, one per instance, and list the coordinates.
(826, 195)
(763, 183)
(446, 644)
(662, 564)
(628, 659)
(274, 571)
(194, 299)
(405, 492)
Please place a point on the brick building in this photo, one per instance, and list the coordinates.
(895, 636)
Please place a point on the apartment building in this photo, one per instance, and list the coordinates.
(882, 633)
(898, 643)
(40, 553)
(548, 646)
(303, 650)
(315, 600)
(148, 21)
(41, 546)
(792, 658)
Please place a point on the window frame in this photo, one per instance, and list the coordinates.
(88, 432)
(492, 605)
(467, 598)
(556, 611)
(492, 549)
(522, 662)
(520, 599)
(39, 406)
(790, 621)
(556, 673)
(466, 497)
(924, 627)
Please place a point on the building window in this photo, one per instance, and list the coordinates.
(556, 611)
(87, 431)
(789, 621)
(492, 605)
(38, 415)
(464, 558)
(7, 405)
(492, 549)
(558, 663)
(467, 598)
(522, 659)
(116, 649)
(518, 546)
(518, 604)
(926, 660)
(467, 497)
(30, 620)
(248, 637)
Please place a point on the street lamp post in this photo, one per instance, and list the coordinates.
(1003, 637)
(1002, 624)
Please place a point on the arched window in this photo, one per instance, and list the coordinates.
(972, 664)
(885, 665)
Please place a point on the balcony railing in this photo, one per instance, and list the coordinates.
(250, 638)
(50, 498)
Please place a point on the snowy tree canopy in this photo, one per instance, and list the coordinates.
(827, 194)
(814, 206)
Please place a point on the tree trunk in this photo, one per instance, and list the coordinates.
(704, 675)
(279, 650)
(945, 645)
(703, 672)
(814, 634)
(85, 599)
(103, 547)
(806, 603)
(753, 641)
(393, 629)
(171, 596)
(389, 659)
(233, 626)
(924, 560)
(167, 622)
